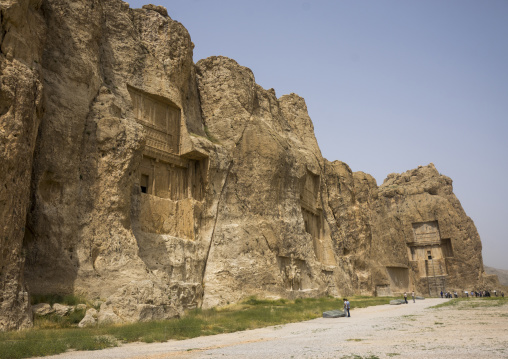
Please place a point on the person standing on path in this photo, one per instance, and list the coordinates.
(405, 297)
(413, 296)
(346, 307)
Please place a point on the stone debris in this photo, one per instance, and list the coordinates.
(397, 301)
(89, 320)
(334, 314)
(107, 316)
(42, 309)
(62, 310)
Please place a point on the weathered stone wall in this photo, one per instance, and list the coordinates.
(90, 146)
(275, 160)
(22, 38)
(351, 198)
(132, 175)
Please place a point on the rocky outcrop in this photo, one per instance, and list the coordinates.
(135, 177)
(22, 38)
(274, 159)
(419, 218)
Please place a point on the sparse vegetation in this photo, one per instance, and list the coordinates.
(54, 321)
(57, 298)
(471, 303)
(250, 314)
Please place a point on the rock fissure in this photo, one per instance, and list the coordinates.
(217, 214)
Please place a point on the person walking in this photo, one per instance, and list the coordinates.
(413, 296)
(346, 307)
(405, 297)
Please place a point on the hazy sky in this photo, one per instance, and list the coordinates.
(390, 85)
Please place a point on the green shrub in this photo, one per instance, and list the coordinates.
(67, 299)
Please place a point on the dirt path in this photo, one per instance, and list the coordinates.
(386, 331)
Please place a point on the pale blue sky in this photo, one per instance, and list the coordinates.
(390, 85)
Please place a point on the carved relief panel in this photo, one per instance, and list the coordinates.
(426, 232)
(310, 192)
(399, 278)
(160, 118)
(292, 272)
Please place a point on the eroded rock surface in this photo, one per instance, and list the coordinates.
(22, 39)
(135, 177)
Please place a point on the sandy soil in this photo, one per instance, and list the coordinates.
(386, 331)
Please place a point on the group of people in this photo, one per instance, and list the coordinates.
(484, 293)
(412, 296)
(473, 293)
(449, 295)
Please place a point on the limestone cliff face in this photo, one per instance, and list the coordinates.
(420, 224)
(274, 159)
(108, 70)
(351, 197)
(409, 233)
(132, 175)
(22, 37)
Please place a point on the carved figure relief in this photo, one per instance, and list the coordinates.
(292, 275)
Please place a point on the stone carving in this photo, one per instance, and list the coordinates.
(426, 232)
(160, 118)
(292, 275)
(310, 191)
(399, 278)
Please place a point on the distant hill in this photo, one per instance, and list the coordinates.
(502, 274)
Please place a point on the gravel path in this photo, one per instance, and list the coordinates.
(376, 332)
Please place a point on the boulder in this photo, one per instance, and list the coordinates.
(334, 314)
(107, 316)
(42, 309)
(397, 301)
(90, 319)
(62, 310)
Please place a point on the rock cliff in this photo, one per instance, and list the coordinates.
(132, 175)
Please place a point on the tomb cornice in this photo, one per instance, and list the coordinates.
(166, 157)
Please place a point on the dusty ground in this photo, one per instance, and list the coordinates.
(387, 331)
